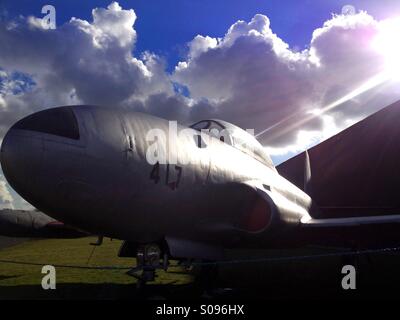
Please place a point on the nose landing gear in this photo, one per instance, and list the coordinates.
(148, 260)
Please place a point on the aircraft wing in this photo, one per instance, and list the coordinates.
(34, 224)
(350, 222)
(356, 173)
(354, 181)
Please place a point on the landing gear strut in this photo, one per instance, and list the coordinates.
(148, 260)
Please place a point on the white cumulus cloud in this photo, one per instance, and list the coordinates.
(253, 78)
(79, 62)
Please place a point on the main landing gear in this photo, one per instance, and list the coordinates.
(149, 258)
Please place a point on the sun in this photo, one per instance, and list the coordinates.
(387, 42)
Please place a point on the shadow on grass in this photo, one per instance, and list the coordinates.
(378, 277)
(7, 277)
(271, 286)
(78, 291)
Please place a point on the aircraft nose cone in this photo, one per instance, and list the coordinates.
(20, 160)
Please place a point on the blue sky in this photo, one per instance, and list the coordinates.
(164, 27)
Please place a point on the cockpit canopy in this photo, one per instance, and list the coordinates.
(236, 137)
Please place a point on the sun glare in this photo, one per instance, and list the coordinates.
(387, 42)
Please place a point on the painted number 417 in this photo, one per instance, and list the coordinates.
(172, 177)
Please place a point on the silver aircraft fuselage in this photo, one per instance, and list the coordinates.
(98, 178)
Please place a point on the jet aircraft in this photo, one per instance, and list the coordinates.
(212, 186)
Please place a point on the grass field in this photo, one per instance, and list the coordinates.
(24, 281)
(378, 275)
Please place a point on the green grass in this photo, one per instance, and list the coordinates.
(377, 274)
(18, 280)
